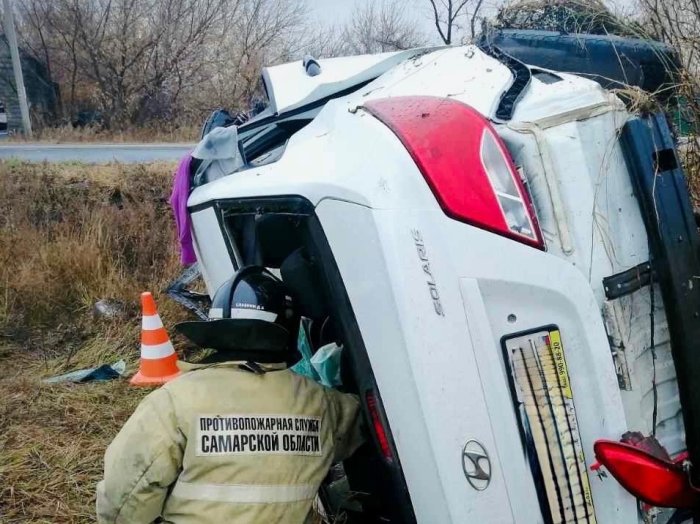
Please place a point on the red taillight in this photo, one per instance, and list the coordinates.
(650, 479)
(378, 426)
(465, 163)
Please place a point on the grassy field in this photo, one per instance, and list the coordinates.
(71, 235)
(70, 134)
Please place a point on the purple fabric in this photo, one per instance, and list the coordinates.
(178, 201)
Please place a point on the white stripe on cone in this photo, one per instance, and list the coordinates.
(157, 351)
(151, 322)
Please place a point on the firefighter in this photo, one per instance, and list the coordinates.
(241, 439)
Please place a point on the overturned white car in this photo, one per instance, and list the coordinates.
(508, 258)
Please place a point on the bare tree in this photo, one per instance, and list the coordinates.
(133, 49)
(447, 15)
(676, 22)
(121, 52)
(139, 60)
(263, 32)
(380, 27)
(326, 42)
(34, 14)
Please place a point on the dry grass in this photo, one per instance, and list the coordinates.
(69, 236)
(52, 443)
(690, 156)
(571, 16)
(152, 133)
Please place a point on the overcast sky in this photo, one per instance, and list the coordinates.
(336, 12)
(332, 11)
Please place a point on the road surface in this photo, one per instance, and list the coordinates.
(95, 153)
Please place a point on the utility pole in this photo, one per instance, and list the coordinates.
(16, 66)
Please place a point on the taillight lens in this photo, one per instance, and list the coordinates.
(652, 480)
(378, 426)
(465, 163)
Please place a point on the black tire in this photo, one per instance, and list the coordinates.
(612, 61)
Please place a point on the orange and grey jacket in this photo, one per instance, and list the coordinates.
(221, 444)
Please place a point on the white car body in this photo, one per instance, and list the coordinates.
(442, 378)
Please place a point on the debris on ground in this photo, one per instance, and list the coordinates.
(110, 309)
(98, 374)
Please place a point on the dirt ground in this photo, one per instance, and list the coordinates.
(69, 236)
(52, 441)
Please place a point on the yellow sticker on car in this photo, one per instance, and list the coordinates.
(560, 363)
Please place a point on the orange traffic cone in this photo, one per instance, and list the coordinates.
(158, 358)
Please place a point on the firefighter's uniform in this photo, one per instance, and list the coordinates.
(222, 444)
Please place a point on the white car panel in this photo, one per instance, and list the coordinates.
(289, 86)
(442, 378)
(606, 235)
(210, 248)
(348, 226)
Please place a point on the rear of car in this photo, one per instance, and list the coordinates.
(465, 226)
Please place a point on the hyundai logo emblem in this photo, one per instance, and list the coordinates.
(476, 465)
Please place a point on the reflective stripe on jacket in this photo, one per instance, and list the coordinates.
(221, 444)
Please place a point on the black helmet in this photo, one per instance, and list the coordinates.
(252, 317)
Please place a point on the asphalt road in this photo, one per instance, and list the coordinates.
(95, 153)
